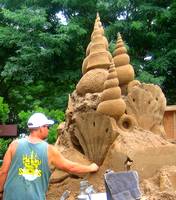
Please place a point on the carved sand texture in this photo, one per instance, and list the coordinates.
(125, 71)
(126, 88)
(146, 103)
(148, 152)
(86, 103)
(70, 108)
(96, 132)
(127, 122)
(133, 84)
(162, 184)
(111, 102)
(158, 95)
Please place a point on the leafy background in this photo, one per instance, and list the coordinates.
(41, 53)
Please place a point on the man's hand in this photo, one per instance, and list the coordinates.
(94, 167)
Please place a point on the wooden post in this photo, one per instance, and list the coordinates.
(169, 121)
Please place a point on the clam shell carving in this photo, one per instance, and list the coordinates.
(158, 95)
(146, 103)
(95, 132)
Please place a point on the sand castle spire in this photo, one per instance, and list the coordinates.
(97, 52)
(97, 17)
(121, 59)
(111, 102)
(97, 21)
(98, 14)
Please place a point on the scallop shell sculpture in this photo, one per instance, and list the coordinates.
(111, 102)
(97, 52)
(158, 95)
(146, 103)
(95, 133)
(121, 60)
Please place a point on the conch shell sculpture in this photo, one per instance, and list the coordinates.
(96, 63)
(125, 71)
(97, 54)
(111, 103)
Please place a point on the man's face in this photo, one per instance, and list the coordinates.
(44, 130)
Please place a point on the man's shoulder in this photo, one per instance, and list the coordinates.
(17, 141)
(13, 146)
(51, 148)
(14, 143)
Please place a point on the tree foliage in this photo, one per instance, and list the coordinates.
(41, 57)
(4, 111)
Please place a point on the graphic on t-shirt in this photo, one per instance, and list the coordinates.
(31, 170)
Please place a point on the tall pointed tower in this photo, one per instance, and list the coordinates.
(125, 71)
(96, 63)
(111, 102)
(97, 52)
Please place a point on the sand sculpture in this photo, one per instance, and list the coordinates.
(111, 102)
(121, 60)
(96, 63)
(111, 127)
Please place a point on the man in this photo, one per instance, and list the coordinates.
(25, 172)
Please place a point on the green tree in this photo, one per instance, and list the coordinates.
(4, 111)
(40, 57)
(37, 58)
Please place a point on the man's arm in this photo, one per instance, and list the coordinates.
(60, 162)
(6, 164)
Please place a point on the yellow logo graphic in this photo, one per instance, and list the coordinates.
(31, 164)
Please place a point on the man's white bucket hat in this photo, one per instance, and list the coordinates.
(37, 120)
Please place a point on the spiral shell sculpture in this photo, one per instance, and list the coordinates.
(97, 52)
(96, 63)
(111, 102)
(125, 71)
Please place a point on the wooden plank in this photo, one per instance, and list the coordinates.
(171, 108)
(8, 130)
(174, 124)
(169, 124)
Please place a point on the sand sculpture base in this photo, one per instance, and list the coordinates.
(138, 150)
(142, 151)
